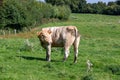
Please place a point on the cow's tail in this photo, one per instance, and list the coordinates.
(77, 34)
(76, 44)
(77, 37)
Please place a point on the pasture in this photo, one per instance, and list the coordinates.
(100, 43)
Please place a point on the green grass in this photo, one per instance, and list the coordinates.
(100, 43)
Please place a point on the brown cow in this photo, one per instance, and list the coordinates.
(63, 36)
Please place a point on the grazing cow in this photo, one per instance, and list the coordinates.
(63, 36)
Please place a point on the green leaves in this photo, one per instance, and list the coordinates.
(17, 14)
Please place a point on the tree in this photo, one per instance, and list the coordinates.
(82, 6)
(56, 2)
(96, 7)
(118, 2)
(89, 8)
(75, 5)
(101, 6)
(1, 1)
(112, 10)
(111, 3)
(14, 14)
(17, 14)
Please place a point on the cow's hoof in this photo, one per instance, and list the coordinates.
(64, 59)
(49, 60)
(75, 61)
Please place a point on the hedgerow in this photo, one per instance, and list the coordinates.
(17, 14)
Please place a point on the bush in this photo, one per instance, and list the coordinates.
(47, 11)
(14, 15)
(112, 10)
(114, 69)
(62, 12)
(27, 46)
(17, 14)
(88, 77)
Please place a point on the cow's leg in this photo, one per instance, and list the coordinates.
(76, 44)
(68, 42)
(66, 52)
(48, 52)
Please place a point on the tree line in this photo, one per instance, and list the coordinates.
(81, 6)
(19, 14)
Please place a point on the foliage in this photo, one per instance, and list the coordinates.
(75, 5)
(118, 2)
(87, 77)
(17, 14)
(27, 46)
(111, 3)
(112, 10)
(14, 14)
(57, 2)
(81, 6)
(62, 12)
(114, 69)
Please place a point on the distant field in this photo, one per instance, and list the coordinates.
(100, 43)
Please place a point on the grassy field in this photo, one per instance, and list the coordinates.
(100, 43)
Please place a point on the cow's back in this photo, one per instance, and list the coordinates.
(60, 34)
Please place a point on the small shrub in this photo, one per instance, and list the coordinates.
(73, 77)
(62, 12)
(28, 46)
(114, 69)
(112, 10)
(87, 77)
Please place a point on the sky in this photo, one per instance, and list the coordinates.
(95, 1)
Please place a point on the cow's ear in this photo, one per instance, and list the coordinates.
(38, 33)
(70, 28)
(49, 31)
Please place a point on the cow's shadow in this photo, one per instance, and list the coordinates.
(36, 58)
(31, 58)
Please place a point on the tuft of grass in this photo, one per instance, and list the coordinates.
(114, 69)
(27, 46)
(87, 77)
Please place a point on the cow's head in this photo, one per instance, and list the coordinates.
(45, 36)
